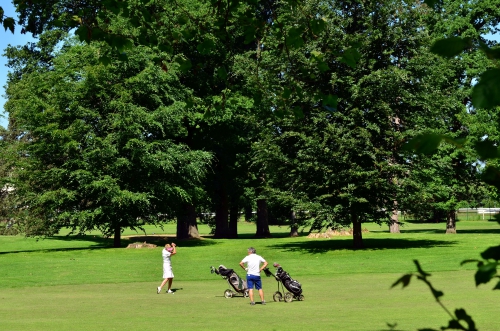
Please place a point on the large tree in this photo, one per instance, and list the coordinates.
(103, 149)
(7, 194)
(359, 60)
(439, 183)
(341, 152)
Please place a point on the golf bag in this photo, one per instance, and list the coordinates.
(292, 286)
(237, 283)
(289, 283)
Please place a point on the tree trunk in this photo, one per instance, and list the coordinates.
(294, 229)
(117, 239)
(222, 215)
(262, 220)
(233, 221)
(450, 222)
(187, 227)
(248, 213)
(357, 234)
(394, 225)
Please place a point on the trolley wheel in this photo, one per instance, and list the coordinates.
(288, 297)
(228, 294)
(246, 294)
(277, 296)
(301, 298)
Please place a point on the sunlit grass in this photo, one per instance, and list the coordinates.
(81, 283)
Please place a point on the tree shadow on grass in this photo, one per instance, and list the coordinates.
(161, 240)
(273, 235)
(99, 242)
(321, 246)
(459, 231)
(95, 242)
(62, 249)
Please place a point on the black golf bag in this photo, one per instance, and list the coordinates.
(289, 283)
(238, 284)
(293, 287)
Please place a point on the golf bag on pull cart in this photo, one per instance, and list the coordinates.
(292, 286)
(239, 284)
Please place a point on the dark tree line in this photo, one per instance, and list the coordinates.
(298, 110)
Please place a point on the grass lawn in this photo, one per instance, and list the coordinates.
(80, 283)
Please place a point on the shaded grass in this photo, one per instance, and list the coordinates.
(80, 283)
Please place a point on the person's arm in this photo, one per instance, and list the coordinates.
(263, 266)
(242, 265)
(175, 249)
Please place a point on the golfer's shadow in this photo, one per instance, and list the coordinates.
(176, 289)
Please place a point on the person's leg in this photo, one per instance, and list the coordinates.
(258, 286)
(164, 282)
(261, 293)
(170, 280)
(250, 288)
(158, 290)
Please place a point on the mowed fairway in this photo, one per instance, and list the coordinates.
(82, 284)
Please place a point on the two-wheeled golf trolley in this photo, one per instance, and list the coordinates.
(285, 282)
(238, 284)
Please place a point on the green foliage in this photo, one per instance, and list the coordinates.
(487, 150)
(368, 85)
(486, 92)
(291, 58)
(104, 150)
(451, 47)
(424, 143)
(431, 3)
(7, 22)
(487, 268)
(458, 319)
(484, 95)
(451, 141)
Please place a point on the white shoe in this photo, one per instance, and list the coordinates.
(170, 291)
(158, 290)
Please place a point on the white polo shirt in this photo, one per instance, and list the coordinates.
(253, 262)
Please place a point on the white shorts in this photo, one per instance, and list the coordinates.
(167, 272)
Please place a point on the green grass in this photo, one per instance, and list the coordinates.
(473, 216)
(462, 216)
(80, 283)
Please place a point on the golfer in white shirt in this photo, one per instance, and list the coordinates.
(253, 270)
